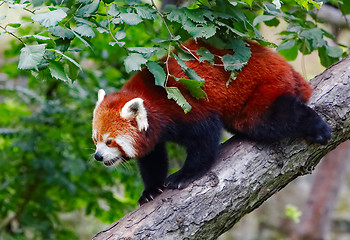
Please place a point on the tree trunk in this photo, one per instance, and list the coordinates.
(316, 219)
(244, 176)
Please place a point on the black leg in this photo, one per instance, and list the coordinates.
(289, 117)
(202, 142)
(154, 169)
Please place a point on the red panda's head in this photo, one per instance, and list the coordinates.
(117, 122)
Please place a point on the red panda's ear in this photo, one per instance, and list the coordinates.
(136, 109)
(101, 95)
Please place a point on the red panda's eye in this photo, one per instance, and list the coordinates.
(109, 142)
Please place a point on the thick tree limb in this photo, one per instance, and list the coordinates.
(245, 175)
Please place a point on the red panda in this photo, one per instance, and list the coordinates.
(266, 102)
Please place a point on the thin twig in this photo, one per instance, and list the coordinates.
(167, 65)
(162, 17)
(109, 24)
(189, 51)
(73, 14)
(28, 10)
(13, 35)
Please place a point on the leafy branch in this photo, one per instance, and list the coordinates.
(12, 34)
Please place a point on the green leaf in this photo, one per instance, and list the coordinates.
(41, 37)
(184, 55)
(194, 87)
(147, 52)
(17, 5)
(272, 23)
(66, 57)
(334, 51)
(37, 37)
(146, 12)
(175, 94)
(31, 56)
(62, 44)
(84, 21)
(240, 58)
(133, 62)
(120, 34)
(84, 1)
(305, 3)
(231, 63)
(262, 18)
(117, 20)
(113, 10)
(73, 71)
(315, 35)
(305, 46)
(177, 15)
(86, 43)
(37, 3)
(57, 71)
(49, 19)
(197, 15)
(200, 31)
(205, 55)
(190, 72)
(161, 40)
(120, 44)
(288, 51)
(85, 31)
(326, 60)
(14, 25)
(158, 73)
(286, 45)
(61, 32)
(249, 2)
(293, 213)
(345, 7)
(130, 18)
(89, 9)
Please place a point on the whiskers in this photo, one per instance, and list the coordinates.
(126, 165)
(91, 159)
(113, 163)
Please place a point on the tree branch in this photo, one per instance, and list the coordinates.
(245, 175)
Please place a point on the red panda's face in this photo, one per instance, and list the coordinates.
(116, 125)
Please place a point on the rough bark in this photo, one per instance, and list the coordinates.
(245, 175)
(316, 219)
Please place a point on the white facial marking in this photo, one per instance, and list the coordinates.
(107, 153)
(94, 134)
(105, 136)
(126, 142)
(136, 109)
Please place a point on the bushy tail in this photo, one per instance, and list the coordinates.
(303, 90)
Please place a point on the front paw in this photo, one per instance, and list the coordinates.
(149, 195)
(181, 179)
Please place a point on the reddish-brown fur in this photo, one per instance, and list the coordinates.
(266, 76)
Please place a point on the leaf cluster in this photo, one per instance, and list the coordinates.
(77, 23)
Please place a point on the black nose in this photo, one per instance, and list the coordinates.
(98, 157)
